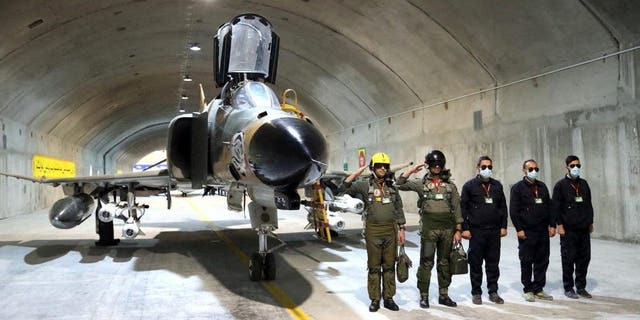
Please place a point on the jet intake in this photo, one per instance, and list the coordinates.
(69, 212)
(187, 149)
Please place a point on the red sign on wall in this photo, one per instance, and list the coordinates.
(362, 158)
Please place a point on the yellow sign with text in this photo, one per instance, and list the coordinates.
(52, 168)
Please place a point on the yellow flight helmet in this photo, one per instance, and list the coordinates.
(379, 158)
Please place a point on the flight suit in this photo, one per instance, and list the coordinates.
(383, 214)
(439, 208)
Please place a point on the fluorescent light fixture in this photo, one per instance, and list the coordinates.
(187, 78)
(184, 97)
(195, 47)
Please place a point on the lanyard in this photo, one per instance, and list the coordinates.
(575, 187)
(486, 189)
(535, 191)
(382, 189)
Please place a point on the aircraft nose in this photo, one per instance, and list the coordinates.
(288, 153)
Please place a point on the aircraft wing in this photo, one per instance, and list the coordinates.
(153, 179)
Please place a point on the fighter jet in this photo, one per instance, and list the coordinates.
(242, 138)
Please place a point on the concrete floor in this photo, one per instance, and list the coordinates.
(192, 264)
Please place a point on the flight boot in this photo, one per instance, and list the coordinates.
(445, 300)
(391, 305)
(374, 306)
(424, 301)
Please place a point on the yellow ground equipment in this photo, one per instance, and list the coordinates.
(320, 220)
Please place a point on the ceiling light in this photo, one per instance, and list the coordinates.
(187, 78)
(195, 47)
(181, 110)
(184, 97)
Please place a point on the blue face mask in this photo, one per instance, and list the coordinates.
(486, 173)
(574, 172)
(533, 175)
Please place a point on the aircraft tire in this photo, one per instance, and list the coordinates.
(255, 267)
(270, 267)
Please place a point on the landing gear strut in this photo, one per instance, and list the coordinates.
(262, 264)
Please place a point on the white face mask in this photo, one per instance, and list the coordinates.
(486, 173)
(574, 172)
(533, 175)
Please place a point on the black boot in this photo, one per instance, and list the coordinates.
(424, 302)
(391, 305)
(374, 306)
(445, 300)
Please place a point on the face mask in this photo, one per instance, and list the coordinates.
(574, 172)
(486, 173)
(533, 175)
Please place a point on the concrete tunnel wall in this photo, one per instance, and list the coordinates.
(583, 111)
(18, 145)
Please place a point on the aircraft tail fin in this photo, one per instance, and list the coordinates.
(203, 104)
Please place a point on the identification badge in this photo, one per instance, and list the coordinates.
(386, 200)
(439, 196)
(538, 200)
(578, 199)
(488, 200)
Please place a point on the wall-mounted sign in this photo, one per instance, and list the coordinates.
(362, 158)
(52, 168)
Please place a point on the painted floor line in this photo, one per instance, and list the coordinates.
(295, 311)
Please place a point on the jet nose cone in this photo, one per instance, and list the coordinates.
(288, 153)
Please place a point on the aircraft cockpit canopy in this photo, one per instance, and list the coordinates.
(246, 48)
(255, 95)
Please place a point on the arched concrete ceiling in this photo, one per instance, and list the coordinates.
(97, 72)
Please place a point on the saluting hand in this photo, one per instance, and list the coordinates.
(417, 168)
(561, 230)
(503, 232)
(520, 234)
(552, 232)
(355, 175)
(413, 170)
(361, 170)
(466, 234)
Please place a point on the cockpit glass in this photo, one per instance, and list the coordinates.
(250, 44)
(256, 94)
